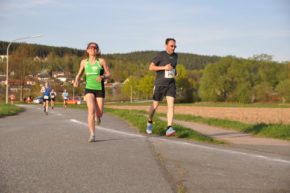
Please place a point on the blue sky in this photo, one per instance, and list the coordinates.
(242, 28)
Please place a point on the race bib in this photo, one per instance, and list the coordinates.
(45, 97)
(169, 73)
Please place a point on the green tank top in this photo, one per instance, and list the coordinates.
(92, 71)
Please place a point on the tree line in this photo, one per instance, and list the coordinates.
(200, 78)
(239, 80)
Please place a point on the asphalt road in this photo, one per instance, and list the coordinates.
(50, 153)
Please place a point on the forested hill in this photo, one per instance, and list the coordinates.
(191, 61)
(42, 50)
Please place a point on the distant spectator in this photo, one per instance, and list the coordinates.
(52, 98)
(12, 98)
(65, 98)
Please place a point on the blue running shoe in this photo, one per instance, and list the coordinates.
(170, 132)
(149, 128)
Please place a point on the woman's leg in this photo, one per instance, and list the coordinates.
(52, 103)
(64, 103)
(91, 104)
(100, 109)
(46, 106)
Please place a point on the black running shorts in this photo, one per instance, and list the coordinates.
(97, 93)
(46, 98)
(159, 92)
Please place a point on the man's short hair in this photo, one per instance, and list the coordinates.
(169, 39)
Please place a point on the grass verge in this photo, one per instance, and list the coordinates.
(278, 131)
(139, 120)
(8, 109)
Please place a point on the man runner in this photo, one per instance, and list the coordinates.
(164, 64)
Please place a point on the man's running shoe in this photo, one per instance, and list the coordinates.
(149, 128)
(92, 138)
(170, 132)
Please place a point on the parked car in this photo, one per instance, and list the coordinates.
(38, 100)
(75, 100)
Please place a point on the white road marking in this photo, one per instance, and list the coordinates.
(109, 130)
(187, 144)
(51, 111)
(225, 151)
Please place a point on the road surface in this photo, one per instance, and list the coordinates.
(50, 153)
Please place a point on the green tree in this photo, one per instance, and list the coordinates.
(262, 92)
(243, 93)
(272, 73)
(242, 79)
(262, 57)
(130, 88)
(284, 90)
(145, 86)
(215, 85)
(183, 84)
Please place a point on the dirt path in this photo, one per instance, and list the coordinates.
(230, 136)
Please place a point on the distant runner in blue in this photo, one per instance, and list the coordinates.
(45, 90)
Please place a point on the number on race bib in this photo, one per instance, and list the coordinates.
(170, 73)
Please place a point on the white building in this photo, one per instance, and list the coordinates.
(3, 57)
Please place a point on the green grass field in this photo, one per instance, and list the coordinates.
(8, 109)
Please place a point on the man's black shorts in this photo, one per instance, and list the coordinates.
(159, 92)
(46, 98)
(97, 93)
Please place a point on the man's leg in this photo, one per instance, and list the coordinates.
(170, 112)
(152, 110)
